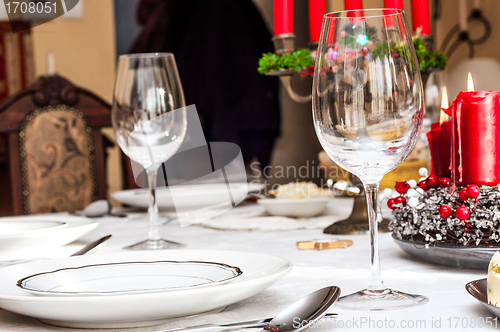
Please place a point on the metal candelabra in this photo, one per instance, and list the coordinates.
(285, 43)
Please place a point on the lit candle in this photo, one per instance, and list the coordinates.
(440, 142)
(462, 15)
(317, 8)
(476, 137)
(421, 17)
(353, 5)
(283, 17)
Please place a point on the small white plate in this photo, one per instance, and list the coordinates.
(478, 289)
(298, 207)
(186, 197)
(66, 229)
(128, 278)
(138, 309)
(18, 227)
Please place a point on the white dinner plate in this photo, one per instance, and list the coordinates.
(295, 207)
(141, 309)
(186, 197)
(12, 227)
(31, 242)
(128, 278)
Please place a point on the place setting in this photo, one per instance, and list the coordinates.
(195, 196)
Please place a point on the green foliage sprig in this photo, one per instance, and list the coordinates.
(294, 61)
(428, 59)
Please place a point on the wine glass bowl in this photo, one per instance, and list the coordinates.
(149, 122)
(368, 112)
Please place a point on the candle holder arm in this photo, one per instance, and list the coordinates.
(286, 81)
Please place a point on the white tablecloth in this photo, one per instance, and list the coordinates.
(450, 307)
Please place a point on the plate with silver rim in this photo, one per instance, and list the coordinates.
(467, 257)
(139, 309)
(128, 278)
(477, 289)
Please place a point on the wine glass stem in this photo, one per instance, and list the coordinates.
(154, 226)
(371, 190)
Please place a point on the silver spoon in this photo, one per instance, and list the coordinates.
(305, 312)
(296, 317)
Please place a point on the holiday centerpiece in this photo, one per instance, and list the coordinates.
(459, 203)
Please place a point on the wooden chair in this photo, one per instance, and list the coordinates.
(56, 152)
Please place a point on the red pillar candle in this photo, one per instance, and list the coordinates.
(440, 144)
(353, 5)
(476, 138)
(390, 20)
(317, 9)
(421, 17)
(394, 4)
(283, 17)
(331, 30)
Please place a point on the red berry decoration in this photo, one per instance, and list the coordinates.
(445, 211)
(462, 194)
(423, 185)
(400, 200)
(462, 213)
(390, 203)
(402, 187)
(473, 191)
(365, 51)
(310, 70)
(446, 182)
(433, 181)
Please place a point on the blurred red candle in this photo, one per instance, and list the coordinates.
(476, 138)
(353, 5)
(317, 8)
(394, 4)
(390, 21)
(283, 16)
(421, 16)
(440, 144)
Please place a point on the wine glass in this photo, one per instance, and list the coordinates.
(149, 122)
(368, 111)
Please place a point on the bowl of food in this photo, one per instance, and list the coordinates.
(297, 199)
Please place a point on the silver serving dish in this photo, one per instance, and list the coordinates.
(456, 256)
(477, 288)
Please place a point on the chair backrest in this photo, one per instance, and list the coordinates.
(56, 150)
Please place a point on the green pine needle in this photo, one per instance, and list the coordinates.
(294, 61)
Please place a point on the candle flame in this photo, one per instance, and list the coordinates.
(444, 100)
(470, 83)
(444, 104)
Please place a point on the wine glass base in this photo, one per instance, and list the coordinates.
(386, 299)
(156, 245)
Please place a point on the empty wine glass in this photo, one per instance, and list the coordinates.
(368, 111)
(149, 122)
